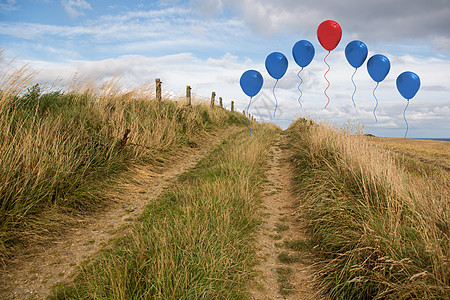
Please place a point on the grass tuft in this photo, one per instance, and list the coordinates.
(284, 285)
(298, 245)
(280, 227)
(288, 258)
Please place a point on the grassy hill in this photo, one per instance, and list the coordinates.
(376, 209)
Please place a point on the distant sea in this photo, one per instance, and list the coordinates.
(434, 139)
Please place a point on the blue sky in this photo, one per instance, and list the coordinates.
(209, 44)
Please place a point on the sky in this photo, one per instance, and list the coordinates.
(209, 44)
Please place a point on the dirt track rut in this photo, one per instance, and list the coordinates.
(32, 273)
(283, 272)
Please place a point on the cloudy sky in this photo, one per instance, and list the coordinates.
(208, 44)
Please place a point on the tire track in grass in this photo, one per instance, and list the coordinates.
(32, 274)
(195, 240)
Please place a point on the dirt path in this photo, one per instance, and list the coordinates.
(285, 268)
(31, 275)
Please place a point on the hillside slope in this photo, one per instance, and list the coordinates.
(380, 224)
(58, 151)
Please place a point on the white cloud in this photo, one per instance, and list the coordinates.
(427, 112)
(7, 6)
(208, 8)
(75, 8)
(137, 31)
(374, 21)
(165, 3)
(442, 43)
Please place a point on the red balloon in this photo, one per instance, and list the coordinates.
(329, 34)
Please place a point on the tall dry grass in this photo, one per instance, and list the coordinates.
(382, 230)
(58, 149)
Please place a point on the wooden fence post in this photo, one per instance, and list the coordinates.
(243, 112)
(220, 102)
(232, 105)
(188, 94)
(158, 89)
(213, 99)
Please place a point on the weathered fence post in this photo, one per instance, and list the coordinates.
(220, 102)
(188, 94)
(213, 99)
(158, 89)
(232, 105)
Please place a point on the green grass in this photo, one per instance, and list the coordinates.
(195, 242)
(381, 230)
(288, 258)
(298, 245)
(285, 287)
(280, 227)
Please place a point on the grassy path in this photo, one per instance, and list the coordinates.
(33, 272)
(285, 268)
(195, 241)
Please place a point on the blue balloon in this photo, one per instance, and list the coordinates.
(408, 84)
(276, 64)
(378, 67)
(303, 53)
(251, 82)
(356, 53)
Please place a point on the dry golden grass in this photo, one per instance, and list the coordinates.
(382, 229)
(435, 153)
(57, 150)
(12, 80)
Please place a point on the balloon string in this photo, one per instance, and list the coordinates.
(325, 76)
(407, 103)
(376, 120)
(301, 81)
(276, 101)
(353, 99)
(249, 128)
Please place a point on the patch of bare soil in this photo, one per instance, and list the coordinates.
(32, 273)
(285, 264)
